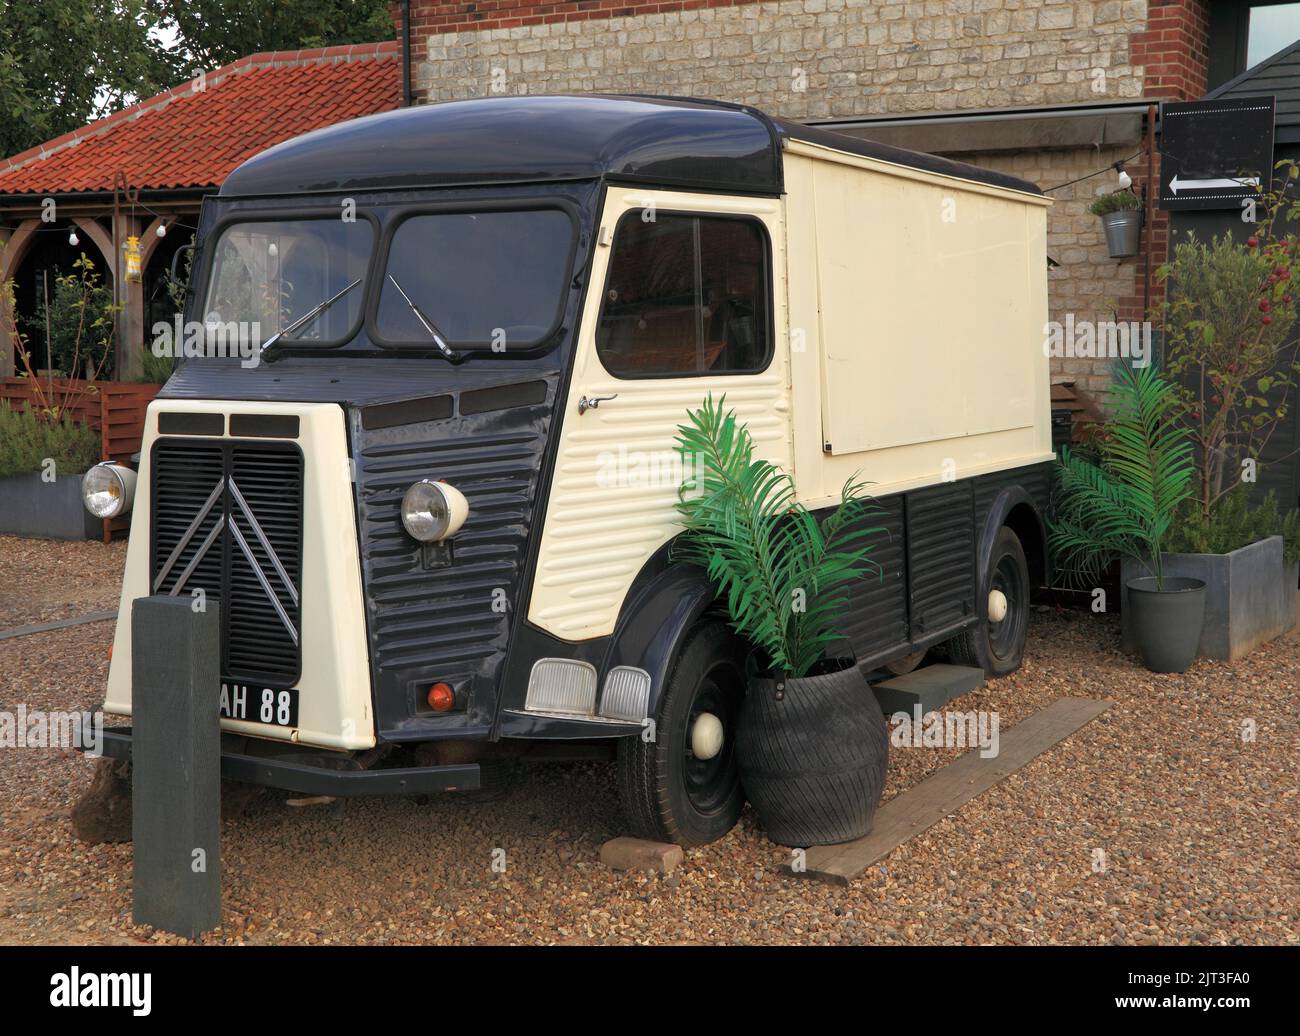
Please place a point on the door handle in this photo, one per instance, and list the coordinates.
(585, 404)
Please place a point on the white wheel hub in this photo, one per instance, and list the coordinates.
(997, 606)
(706, 736)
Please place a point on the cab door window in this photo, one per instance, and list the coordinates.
(686, 295)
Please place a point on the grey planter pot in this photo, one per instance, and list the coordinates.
(1166, 622)
(1123, 232)
(31, 507)
(1250, 596)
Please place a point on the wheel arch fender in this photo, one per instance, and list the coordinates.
(1016, 509)
(654, 622)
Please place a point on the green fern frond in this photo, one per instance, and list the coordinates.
(784, 576)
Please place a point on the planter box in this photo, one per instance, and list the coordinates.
(30, 507)
(1250, 596)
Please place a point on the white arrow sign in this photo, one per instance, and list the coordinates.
(1209, 185)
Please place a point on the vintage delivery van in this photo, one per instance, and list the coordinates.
(434, 494)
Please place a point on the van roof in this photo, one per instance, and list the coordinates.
(669, 141)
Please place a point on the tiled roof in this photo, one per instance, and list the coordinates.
(194, 134)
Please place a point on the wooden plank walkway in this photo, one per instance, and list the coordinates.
(61, 624)
(945, 791)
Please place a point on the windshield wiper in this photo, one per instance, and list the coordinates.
(438, 338)
(267, 350)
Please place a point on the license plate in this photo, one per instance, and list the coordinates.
(275, 706)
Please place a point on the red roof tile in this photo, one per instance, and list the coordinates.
(193, 135)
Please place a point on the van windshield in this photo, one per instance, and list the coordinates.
(268, 273)
(488, 280)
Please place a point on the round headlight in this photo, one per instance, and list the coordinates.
(107, 490)
(433, 511)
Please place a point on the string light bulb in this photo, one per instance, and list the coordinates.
(1125, 181)
(73, 240)
(162, 230)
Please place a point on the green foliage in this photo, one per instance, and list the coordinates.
(1229, 348)
(157, 369)
(1116, 201)
(1234, 524)
(785, 576)
(1124, 506)
(210, 33)
(65, 62)
(27, 441)
(81, 314)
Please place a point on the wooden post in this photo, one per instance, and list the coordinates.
(130, 294)
(176, 764)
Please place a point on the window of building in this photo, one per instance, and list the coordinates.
(1242, 34)
(1272, 27)
(686, 294)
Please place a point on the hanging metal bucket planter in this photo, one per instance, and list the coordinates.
(1123, 232)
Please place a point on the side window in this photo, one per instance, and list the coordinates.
(686, 295)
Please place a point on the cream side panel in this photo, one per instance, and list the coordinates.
(611, 504)
(334, 708)
(929, 299)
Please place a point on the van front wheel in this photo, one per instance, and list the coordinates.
(998, 646)
(683, 785)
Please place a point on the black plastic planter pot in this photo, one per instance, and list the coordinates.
(1167, 623)
(812, 754)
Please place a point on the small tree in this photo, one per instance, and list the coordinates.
(91, 326)
(1229, 343)
(80, 315)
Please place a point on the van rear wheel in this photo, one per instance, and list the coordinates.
(998, 647)
(684, 786)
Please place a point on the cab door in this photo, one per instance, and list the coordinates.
(687, 298)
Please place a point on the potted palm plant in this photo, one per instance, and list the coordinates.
(1123, 507)
(811, 744)
(1121, 219)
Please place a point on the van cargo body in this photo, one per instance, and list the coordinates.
(524, 297)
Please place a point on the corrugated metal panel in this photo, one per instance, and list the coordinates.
(875, 623)
(1036, 480)
(449, 623)
(940, 557)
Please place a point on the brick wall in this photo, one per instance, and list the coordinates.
(1173, 52)
(799, 58)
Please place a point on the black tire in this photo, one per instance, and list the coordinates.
(667, 794)
(998, 647)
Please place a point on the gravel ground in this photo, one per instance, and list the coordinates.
(47, 580)
(1199, 829)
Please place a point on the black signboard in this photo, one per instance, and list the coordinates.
(1214, 153)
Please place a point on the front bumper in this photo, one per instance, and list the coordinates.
(307, 777)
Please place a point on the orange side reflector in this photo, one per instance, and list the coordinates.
(441, 697)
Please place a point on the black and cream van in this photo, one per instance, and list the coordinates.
(434, 494)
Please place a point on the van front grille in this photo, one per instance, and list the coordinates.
(227, 520)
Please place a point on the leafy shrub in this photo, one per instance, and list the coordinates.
(1234, 524)
(157, 369)
(1123, 506)
(1229, 347)
(28, 440)
(1116, 201)
(783, 575)
(81, 314)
